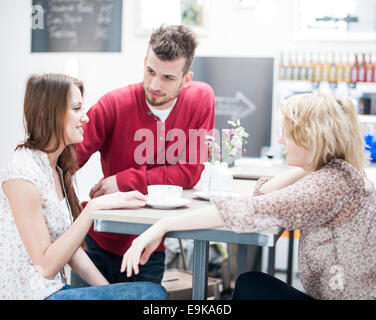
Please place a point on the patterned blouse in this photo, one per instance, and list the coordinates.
(18, 277)
(335, 210)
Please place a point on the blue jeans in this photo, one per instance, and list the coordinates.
(118, 291)
(109, 265)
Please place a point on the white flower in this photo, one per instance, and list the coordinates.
(232, 142)
(231, 123)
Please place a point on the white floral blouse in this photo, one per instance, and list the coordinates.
(18, 277)
(335, 210)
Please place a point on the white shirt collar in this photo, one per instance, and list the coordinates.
(162, 114)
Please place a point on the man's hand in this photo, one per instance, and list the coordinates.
(105, 186)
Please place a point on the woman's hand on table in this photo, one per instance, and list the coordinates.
(141, 249)
(119, 200)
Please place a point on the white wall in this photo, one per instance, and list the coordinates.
(229, 32)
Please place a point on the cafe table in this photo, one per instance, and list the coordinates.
(135, 221)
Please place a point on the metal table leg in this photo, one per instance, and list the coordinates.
(242, 259)
(271, 261)
(290, 257)
(200, 270)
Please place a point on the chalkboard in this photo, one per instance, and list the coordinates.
(76, 26)
(248, 96)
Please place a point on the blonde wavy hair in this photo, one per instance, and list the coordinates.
(326, 125)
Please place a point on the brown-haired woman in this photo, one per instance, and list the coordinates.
(38, 235)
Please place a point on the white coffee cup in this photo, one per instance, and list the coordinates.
(164, 193)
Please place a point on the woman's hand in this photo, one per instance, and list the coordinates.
(118, 200)
(144, 245)
(141, 249)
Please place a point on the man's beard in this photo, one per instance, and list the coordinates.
(154, 101)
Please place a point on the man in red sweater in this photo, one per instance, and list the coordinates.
(148, 133)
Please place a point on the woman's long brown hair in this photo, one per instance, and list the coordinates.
(45, 110)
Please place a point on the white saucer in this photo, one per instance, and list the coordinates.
(168, 205)
(205, 195)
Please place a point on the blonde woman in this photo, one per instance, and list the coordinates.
(42, 224)
(328, 198)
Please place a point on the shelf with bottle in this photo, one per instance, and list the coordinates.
(351, 68)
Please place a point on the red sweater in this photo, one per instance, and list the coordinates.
(140, 150)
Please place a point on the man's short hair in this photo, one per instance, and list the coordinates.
(173, 42)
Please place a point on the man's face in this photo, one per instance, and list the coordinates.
(163, 80)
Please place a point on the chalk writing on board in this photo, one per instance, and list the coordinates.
(79, 25)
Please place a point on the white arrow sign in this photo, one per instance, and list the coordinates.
(236, 107)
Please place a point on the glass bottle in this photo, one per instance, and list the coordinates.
(325, 68)
(282, 67)
(289, 67)
(369, 69)
(296, 67)
(354, 70)
(340, 69)
(362, 69)
(347, 70)
(332, 68)
(317, 74)
(310, 68)
(303, 67)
